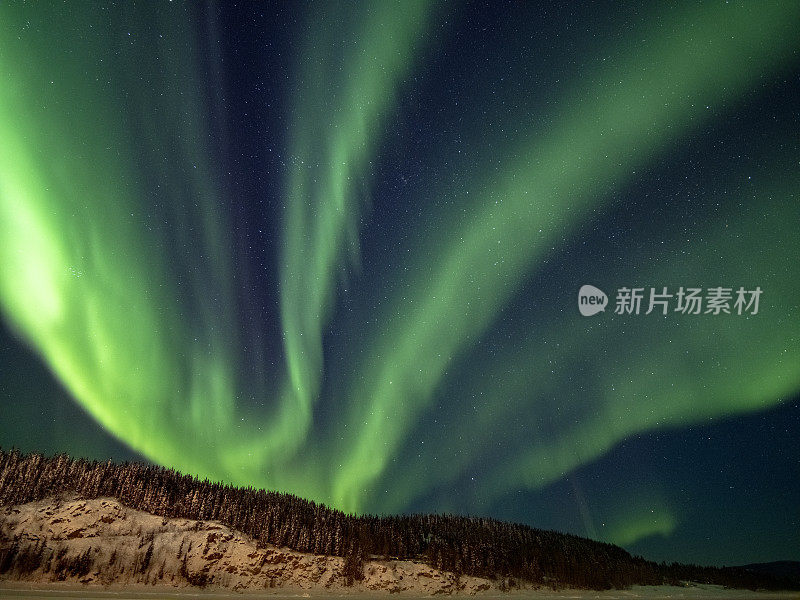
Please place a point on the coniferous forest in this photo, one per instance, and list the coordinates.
(509, 552)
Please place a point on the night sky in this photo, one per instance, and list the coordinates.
(335, 250)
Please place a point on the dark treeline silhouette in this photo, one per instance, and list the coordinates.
(463, 545)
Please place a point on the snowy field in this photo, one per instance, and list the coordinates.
(20, 591)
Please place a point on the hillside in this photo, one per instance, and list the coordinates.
(100, 541)
(323, 546)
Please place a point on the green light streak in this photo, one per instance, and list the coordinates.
(645, 514)
(81, 279)
(345, 94)
(645, 374)
(612, 127)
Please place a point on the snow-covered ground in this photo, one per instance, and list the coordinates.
(19, 591)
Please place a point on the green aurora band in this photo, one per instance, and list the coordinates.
(550, 187)
(344, 94)
(131, 301)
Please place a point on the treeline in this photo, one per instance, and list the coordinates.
(471, 546)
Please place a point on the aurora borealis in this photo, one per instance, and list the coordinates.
(333, 249)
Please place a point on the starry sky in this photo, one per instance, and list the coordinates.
(335, 249)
